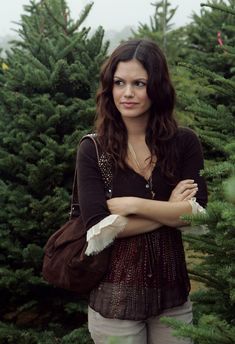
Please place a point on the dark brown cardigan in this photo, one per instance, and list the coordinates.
(147, 272)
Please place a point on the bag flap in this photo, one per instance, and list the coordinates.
(73, 231)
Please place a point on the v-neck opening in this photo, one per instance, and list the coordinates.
(140, 175)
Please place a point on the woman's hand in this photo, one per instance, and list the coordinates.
(123, 205)
(184, 191)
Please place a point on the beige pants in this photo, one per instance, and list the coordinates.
(150, 331)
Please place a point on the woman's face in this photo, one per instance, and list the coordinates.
(130, 90)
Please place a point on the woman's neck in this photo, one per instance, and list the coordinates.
(136, 128)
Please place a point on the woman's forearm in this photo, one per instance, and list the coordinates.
(167, 213)
(138, 225)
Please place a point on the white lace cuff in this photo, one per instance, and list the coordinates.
(103, 233)
(195, 230)
(196, 207)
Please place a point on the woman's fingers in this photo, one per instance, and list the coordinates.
(186, 181)
(188, 195)
(187, 192)
(184, 190)
(184, 186)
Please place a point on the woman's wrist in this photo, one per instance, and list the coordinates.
(165, 212)
(136, 205)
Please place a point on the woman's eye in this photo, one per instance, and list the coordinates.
(140, 84)
(118, 82)
(136, 83)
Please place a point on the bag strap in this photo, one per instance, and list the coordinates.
(75, 211)
(75, 198)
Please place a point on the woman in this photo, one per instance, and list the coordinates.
(155, 178)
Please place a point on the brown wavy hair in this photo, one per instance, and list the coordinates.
(161, 127)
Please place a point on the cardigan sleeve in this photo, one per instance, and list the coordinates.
(91, 188)
(102, 226)
(192, 163)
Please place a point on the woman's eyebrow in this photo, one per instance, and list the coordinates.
(137, 79)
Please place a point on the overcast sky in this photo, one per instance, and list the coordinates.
(111, 14)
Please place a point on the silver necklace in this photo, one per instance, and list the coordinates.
(142, 170)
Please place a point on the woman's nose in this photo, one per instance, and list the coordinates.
(128, 92)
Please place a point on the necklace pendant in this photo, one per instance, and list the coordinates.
(153, 194)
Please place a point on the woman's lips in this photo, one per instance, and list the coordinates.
(128, 104)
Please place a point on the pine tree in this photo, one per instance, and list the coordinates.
(160, 29)
(207, 33)
(46, 105)
(214, 303)
(203, 47)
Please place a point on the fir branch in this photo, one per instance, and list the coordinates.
(56, 19)
(206, 279)
(227, 49)
(219, 7)
(210, 330)
(203, 246)
(62, 54)
(211, 75)
(223, 169)
(83, 16)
